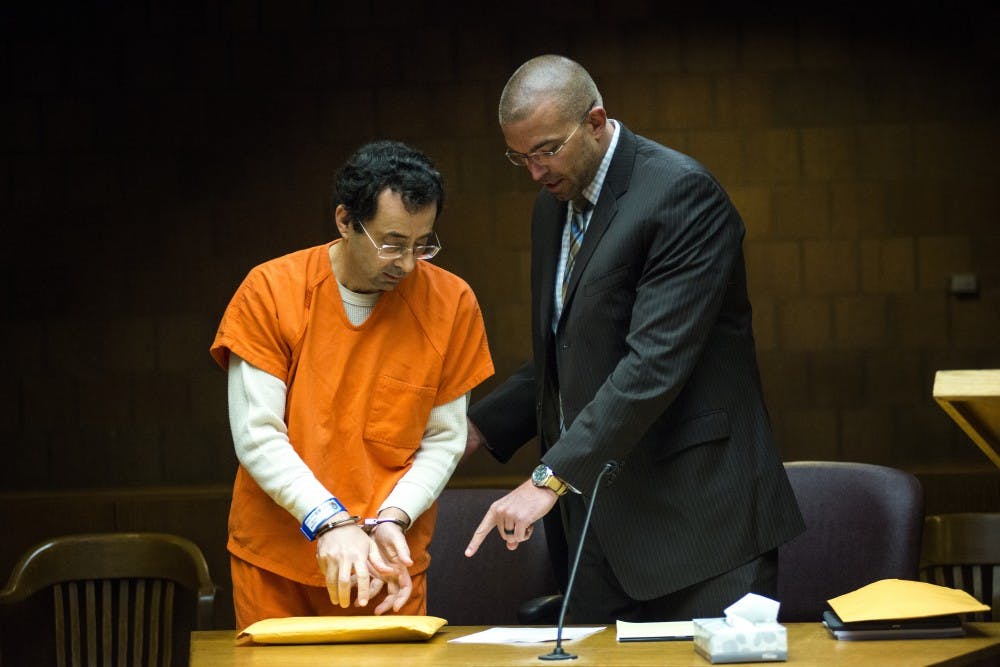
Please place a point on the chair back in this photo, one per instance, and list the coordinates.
(863, 524)
(962, 550)
(109, 599)
(488, 588)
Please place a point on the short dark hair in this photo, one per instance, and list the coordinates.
(386, 164)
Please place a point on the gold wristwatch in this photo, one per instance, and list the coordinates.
(543, 478)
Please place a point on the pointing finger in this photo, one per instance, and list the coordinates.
(485, 526)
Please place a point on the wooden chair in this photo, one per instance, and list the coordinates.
(863, 524)
(962, 550)
(106, 599)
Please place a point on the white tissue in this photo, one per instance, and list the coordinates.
(749, 633)
(751, 609)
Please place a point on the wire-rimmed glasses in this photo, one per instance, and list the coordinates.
(540, 157)
(425, 250)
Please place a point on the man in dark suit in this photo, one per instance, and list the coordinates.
(644, 356)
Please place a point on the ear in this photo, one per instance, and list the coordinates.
(597, 119)
(343, 219)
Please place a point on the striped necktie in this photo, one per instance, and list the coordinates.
(575, 241)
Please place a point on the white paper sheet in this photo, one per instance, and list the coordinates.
(653, 632)
(524, 635)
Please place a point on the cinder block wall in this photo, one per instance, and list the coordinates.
(152, 152)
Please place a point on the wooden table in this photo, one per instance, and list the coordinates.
(808, 644)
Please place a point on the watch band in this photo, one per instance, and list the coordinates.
(557, 485)
(544, 477)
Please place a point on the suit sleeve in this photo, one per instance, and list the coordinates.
(506, 416)
(694, 241)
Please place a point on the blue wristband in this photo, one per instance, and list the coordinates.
(319, 516)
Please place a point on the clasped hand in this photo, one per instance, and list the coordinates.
(348, 558)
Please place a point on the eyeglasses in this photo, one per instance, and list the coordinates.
(424, 250)
(539, 157)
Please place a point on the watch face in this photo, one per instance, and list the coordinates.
(540, 474)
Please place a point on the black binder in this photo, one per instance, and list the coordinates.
(903, 628)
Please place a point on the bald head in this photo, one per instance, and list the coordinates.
(548, 79)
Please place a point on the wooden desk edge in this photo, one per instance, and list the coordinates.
(801, 636)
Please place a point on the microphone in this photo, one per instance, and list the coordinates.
(558, 653)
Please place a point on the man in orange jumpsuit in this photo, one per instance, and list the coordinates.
(350, 365)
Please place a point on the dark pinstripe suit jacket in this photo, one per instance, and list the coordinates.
(654, 358)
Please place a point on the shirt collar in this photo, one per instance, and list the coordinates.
(592, 191)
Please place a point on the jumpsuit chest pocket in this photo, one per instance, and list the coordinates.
(397, 417)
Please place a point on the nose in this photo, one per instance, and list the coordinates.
(406, 263)
(536, 170)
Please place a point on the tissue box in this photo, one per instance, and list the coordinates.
(718, 642)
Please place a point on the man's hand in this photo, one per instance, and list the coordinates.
(392, 545)
(391, 562)
(474, 440)
(399, 588)
(342, 555)
(514, 516)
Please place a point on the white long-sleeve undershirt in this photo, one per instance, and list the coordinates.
(260, 436)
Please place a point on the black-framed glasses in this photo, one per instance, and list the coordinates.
(424, 250)
(540, 157)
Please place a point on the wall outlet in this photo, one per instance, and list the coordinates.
(964, 284)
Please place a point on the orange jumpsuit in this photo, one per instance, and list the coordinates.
(358, 397)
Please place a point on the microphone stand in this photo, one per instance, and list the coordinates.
(558, 653)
